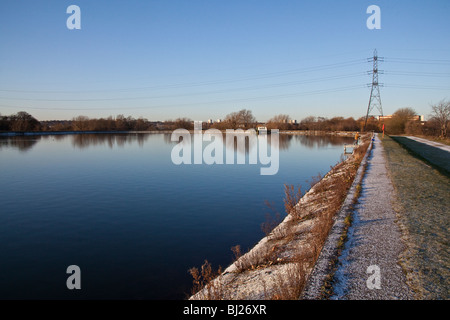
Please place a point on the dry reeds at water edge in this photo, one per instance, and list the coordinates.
(203, 280)
(280, 264)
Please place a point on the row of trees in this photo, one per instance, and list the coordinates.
(333, 124)
(119, 123)
(403, 121)
(244, 119)
(22, 121)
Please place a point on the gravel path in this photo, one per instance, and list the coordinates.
(368, 267)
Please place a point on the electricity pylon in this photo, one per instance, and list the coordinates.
(375, 99)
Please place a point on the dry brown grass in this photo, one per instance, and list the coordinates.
(207, 283)
(325, 201)
(256, 259)
(271, 221)
(315, 180)
(292, 197)
(332, 190)
(289, 286)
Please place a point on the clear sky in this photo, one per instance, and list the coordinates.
(203, 59)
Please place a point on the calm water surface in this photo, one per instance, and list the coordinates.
(116, 206)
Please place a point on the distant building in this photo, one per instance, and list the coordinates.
(219, 120)
(420, 118)
(261, 129)
(210, 121)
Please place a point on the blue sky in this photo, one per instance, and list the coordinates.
(204, 59)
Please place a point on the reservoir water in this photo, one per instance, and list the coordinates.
(134, 222)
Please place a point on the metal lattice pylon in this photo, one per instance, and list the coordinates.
(375, 99)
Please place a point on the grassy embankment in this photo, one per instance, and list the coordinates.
(279, 265)
(420, 175)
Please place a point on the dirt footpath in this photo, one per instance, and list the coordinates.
(368, 266)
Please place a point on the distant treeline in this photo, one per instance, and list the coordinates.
(403, 121)
(406, 121)
(22, 121)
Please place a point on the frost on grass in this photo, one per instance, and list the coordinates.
(279, 265)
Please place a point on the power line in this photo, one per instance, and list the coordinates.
(254, 77)
(283, 84)
(418, 74)
(212, 82)
(412, 86)
(321, 91)
(418, 61)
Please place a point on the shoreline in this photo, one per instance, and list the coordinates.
(283, 261)
(326, 264)
(378, 227)
(38, 133)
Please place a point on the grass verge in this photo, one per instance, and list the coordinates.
(438, 158)
(327, 287)
(423, 195)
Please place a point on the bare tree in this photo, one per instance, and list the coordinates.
(441, 114)
(184, 123)
(123, 123)
(80, 123)
(4, 123)
(22, 121)
(309, 123)
(247, 118)
(232, 120)
(400, 118)
(280, 121)
(241, 119)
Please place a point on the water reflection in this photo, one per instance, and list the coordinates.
(131, 211)
(311, 141)
(236, 143)
(285, 141)
(81, 141)
(24, 144)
